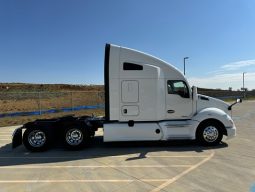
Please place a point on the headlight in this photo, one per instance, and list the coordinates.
(230, 120)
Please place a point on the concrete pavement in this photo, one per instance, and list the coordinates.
(146, 166)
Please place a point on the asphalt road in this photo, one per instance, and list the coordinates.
(171, 166)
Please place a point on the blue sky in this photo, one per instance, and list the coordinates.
(62, 41)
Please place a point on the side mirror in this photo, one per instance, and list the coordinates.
(194, 93)
(239, 100)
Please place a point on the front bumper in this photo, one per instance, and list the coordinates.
(231, 132)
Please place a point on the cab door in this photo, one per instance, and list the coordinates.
(178, 100)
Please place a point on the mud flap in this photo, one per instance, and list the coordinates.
(17, 137)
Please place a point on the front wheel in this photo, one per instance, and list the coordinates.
(209, 133)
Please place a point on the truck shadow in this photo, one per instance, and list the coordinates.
(99, 149)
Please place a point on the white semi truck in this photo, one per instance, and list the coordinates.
(146, 99)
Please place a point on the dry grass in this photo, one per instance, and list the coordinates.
(19, 97)
(17, 102)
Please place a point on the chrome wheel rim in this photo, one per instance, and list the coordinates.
(210, 134)
(37, 138)
(74, 137)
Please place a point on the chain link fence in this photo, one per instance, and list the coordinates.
(36, 103)
(11, 102)
(228, 94)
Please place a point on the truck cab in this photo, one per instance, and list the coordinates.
(149, 99)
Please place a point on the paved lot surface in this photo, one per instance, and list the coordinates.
(151, 167)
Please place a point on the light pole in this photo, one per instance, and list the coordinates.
(184, 63)
(243, 85)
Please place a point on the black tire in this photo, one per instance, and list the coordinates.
(76, 138)
(41, 143)
(209, 133)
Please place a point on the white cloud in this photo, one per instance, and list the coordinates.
(234, 66)
(228, 75)
(238, 65)
(224, 81)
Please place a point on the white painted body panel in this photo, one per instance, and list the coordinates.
(212, 102)
(178, 129)
(182, 107)
(169, 130)
(139, 132)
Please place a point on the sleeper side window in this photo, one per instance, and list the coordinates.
(178, 87)
(132, 66)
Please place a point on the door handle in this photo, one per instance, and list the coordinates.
(170, 111)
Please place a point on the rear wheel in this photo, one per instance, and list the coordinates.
(37, 139)
(209, 133)
(76, 138)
